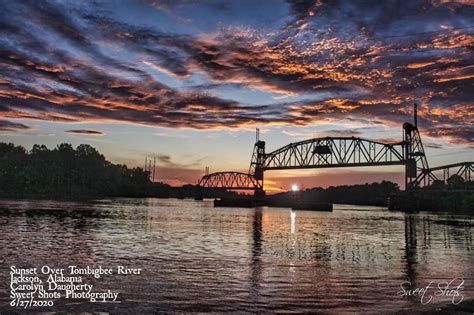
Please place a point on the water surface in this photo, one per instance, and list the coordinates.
(199, 258)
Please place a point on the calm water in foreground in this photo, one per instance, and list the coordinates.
(199, 258)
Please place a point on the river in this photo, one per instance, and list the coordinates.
(198, 258)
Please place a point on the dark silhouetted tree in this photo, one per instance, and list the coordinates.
(67, 172)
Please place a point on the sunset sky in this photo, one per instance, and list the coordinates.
(188, 81)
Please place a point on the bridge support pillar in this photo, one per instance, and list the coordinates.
(257, 165)
(416, 165)
(259, 194)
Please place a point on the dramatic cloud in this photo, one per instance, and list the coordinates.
(319, 61)
(6, 125)
(86, 132)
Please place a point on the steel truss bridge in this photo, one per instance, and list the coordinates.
(335, 152)
(236, 180)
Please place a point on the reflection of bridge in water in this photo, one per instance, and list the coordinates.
(333, 152)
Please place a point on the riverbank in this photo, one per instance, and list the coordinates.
(433, 200)
(155, 190)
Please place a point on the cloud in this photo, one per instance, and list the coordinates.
(458, 135)
(349, 60)
(326, 133)
(432, 145)
(86, 132)
(6, 125)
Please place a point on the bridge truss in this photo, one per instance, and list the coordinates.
(464, 169)
(327, 152)
(332, 152)
(230, 180)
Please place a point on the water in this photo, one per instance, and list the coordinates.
(199, 258)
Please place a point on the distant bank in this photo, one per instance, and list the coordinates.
(83, 173)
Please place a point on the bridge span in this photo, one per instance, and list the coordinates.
(335, 152)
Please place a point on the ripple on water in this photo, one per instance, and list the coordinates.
(199, 258)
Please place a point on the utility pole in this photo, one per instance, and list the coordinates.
(154, 165)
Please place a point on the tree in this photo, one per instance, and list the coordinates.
(455, 182)
(437, 184)
(66, 172)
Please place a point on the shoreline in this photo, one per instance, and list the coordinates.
(89, 199)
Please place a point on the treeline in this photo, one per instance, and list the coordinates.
(375, 194)
(378, 194)
(455, 194)
(66, 172)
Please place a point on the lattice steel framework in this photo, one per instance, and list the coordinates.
(230, 180)
(330, 152)
(464, 169)
(327, 152)
(417, 171)
(334, 152)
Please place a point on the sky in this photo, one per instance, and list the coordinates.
(187, 82)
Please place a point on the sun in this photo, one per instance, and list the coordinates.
(294, 187)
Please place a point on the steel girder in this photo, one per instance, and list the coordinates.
(334, 152)
(331, 152)
(463, 169)
(230, 180)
